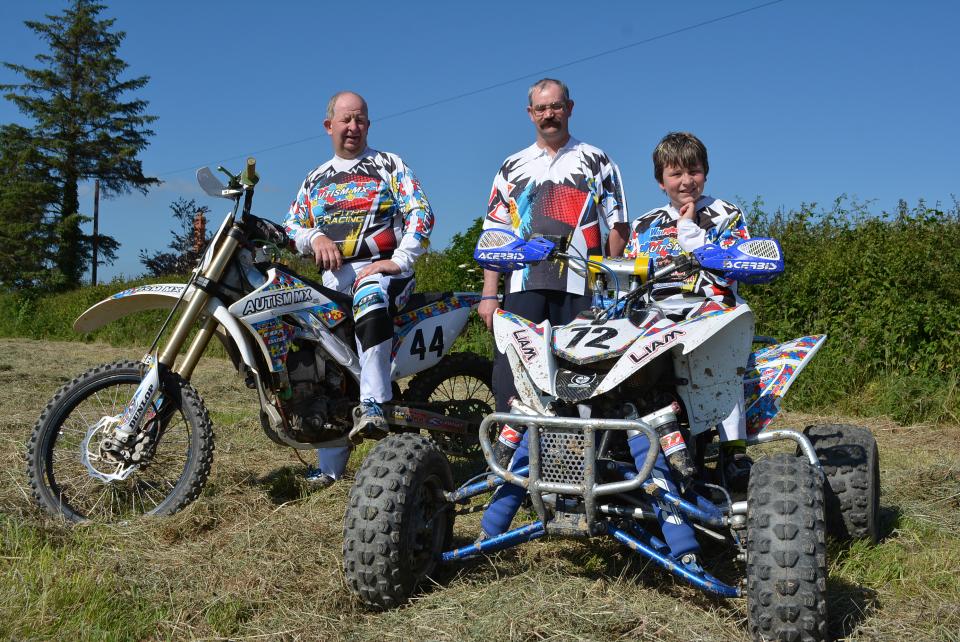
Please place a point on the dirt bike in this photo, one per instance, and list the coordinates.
(620, 371)
(134, 437)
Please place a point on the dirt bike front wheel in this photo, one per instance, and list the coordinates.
(69, 475)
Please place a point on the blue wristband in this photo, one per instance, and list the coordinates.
(490, 297)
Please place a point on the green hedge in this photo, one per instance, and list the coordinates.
(884, 288)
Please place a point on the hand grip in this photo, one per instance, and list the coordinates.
(249, 175)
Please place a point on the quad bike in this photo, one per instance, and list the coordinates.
(134, 437)
(623, 369)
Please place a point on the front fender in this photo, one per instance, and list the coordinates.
(158, 296)
(163, 296)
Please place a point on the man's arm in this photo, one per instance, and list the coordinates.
(299, 225)
(417, 223)
(498, 217)
(613, 206)
(491, 286)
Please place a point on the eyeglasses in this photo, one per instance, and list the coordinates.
(557, 106)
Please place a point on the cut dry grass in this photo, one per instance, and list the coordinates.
(257, 556)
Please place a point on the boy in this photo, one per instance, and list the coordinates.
(687, 222)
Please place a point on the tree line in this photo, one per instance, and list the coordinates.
(84, 125)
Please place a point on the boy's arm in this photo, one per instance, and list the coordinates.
(690, 236)
(617, 239)
(728, 225)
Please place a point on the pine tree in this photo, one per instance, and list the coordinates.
(84, 127)
(187, 244)
(26, 193)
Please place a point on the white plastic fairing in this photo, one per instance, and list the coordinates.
(583, 341)
(155, 296)
(532, 343)
(424, 342)
(714, 371)
(679, 339)
(526, 390)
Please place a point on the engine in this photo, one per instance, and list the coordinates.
(318, 408)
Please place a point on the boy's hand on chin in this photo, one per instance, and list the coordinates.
(688, 211)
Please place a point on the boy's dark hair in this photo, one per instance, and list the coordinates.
(679, 149)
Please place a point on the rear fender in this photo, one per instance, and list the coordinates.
(770, 373)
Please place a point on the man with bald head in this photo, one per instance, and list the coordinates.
(365, 219)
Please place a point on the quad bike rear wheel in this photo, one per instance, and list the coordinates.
(71, 475)
(851, 467)
(397, 522)
(459, 386)
(786, 550)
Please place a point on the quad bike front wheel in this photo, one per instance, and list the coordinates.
(70, 474)
(786, 550)
(851, 467)
(397, 522)
(459, 386)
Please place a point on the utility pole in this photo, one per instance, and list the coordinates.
(96, 226)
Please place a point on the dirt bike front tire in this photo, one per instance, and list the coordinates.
(65, 486)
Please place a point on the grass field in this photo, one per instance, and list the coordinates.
(257, 557)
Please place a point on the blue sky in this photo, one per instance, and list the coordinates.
(797, 101)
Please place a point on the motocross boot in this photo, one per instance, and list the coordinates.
(368, 422)
(317, 480)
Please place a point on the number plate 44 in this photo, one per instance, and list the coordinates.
(583, 341)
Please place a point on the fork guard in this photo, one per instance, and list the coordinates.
(570, 455)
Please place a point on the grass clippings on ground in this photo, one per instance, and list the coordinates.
(257, 556)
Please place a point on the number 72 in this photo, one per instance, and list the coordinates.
(603, 334)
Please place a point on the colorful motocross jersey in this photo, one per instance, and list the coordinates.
(661, 233)
(565, 195)
(372, 207)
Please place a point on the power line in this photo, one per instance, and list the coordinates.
(504, 83)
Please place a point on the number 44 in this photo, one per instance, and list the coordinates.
(419, 347)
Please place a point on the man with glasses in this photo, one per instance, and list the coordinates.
(556, 186)
(364, 217)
